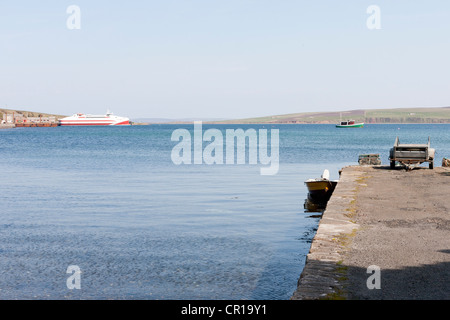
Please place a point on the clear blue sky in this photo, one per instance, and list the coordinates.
(224, 59)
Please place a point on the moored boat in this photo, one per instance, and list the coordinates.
(320, 189)
(350, 124)
(81, 119)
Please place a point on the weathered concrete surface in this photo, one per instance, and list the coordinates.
(395, 219)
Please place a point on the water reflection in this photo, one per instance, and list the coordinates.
(311, 206)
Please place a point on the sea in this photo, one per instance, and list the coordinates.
(105, 213)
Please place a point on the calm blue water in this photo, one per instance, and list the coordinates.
(110, 200)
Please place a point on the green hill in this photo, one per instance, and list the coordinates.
(30, 113)
(400, 115)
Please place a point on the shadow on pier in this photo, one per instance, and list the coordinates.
(426, 282)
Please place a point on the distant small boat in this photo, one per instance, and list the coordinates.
(320, 189)
(350, 124)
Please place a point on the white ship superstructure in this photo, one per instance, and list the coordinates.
(81, 119)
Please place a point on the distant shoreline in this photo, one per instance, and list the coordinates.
(266, 123)
(424, 115)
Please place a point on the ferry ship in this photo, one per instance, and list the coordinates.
(81, 119)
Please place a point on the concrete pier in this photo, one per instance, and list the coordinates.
(384, 235)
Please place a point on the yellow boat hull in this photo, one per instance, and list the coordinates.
(320, 190)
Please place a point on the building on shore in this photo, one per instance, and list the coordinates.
(23, 120)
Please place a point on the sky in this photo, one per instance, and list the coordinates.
(223, 59)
